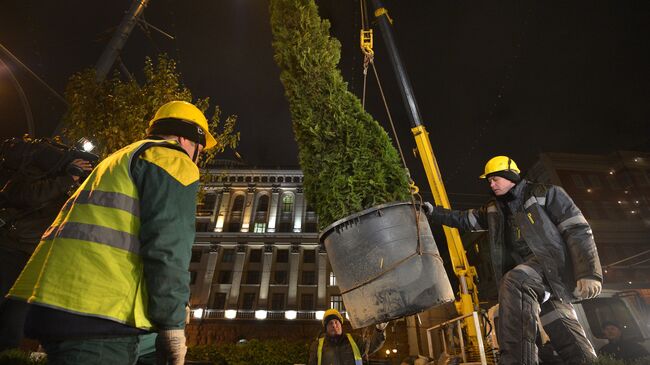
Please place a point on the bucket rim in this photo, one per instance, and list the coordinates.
(350, 217)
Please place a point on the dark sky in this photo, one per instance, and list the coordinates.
(505, 77)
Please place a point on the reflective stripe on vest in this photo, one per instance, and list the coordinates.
(88, 262)
(355, 350)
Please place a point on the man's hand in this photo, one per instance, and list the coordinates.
(80, 165)
(427, 208)
(587, 288)
(381, 326)
(170, 347)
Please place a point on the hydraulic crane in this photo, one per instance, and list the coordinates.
(468, 301)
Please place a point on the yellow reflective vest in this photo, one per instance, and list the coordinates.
(88, 262)
(355, 350)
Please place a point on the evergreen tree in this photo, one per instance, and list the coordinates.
(347, 158)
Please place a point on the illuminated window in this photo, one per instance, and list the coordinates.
(287, 203)
(336, 302)
(259, 227)
(332, 279)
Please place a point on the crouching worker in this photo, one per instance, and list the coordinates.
(109, 281)
(338, 348)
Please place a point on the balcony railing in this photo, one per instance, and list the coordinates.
(248, 314)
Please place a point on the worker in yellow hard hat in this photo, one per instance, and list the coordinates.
(544, 257)
(128, 230)
(338, 348)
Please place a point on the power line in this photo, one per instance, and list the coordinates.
(33, 74)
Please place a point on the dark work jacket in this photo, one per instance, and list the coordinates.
(552, 225)
(35, 202)
(337, 351)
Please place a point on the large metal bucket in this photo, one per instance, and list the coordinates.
(374, 255)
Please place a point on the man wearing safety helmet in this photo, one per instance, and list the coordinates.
(109, 281)
(543, 256)
(337, 348)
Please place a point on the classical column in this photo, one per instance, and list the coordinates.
(273, 211)
(215, 212)
(223, 210)
(298, 210)
(322, 279)
(204, 285)
(267, 263)
(294, 270)
(237, 273)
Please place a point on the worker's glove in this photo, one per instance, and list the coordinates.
(427, 208)
(381, 326)
(587, 288)
(170, 347)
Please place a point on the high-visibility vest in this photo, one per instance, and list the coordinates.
(88, 262)
(355, 350)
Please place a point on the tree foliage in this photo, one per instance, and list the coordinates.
(347, 158)
(114, 113)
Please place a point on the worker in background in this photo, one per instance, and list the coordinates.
(543, 256)
(338, 348)
(618, 347)
(109, 281)
(30, 199)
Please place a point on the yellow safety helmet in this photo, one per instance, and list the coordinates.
(500, 163)
(186, 112)
(331, 313)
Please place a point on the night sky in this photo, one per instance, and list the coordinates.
(491, 77)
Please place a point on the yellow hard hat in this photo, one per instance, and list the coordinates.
(186, 112)
(499, 163)
(329, 313)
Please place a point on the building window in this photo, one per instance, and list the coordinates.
(277, 301)
(591, 210)
(594, 181)
(282, 256)
(248, 301)
(234, 223)
(309, 256)
(332, 279)
(253, 277)
(228, 255)
(196, 256)
(259, 228)
(613, 183)
(285, 227)
(192, 277)
(225, 277)
(308, 278)
(201, 226)
(206, 206)
(261, 214)
(336, 302)
(255, 256)
(280, 277)
(307, 302)
(577, 181)
(287, 203)
(612, 210)
(219, 301)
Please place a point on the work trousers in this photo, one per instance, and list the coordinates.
(523, 296)
(128, 350)
(12, 312)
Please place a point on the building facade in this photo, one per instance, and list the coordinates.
(613, 192)
(257, 270)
